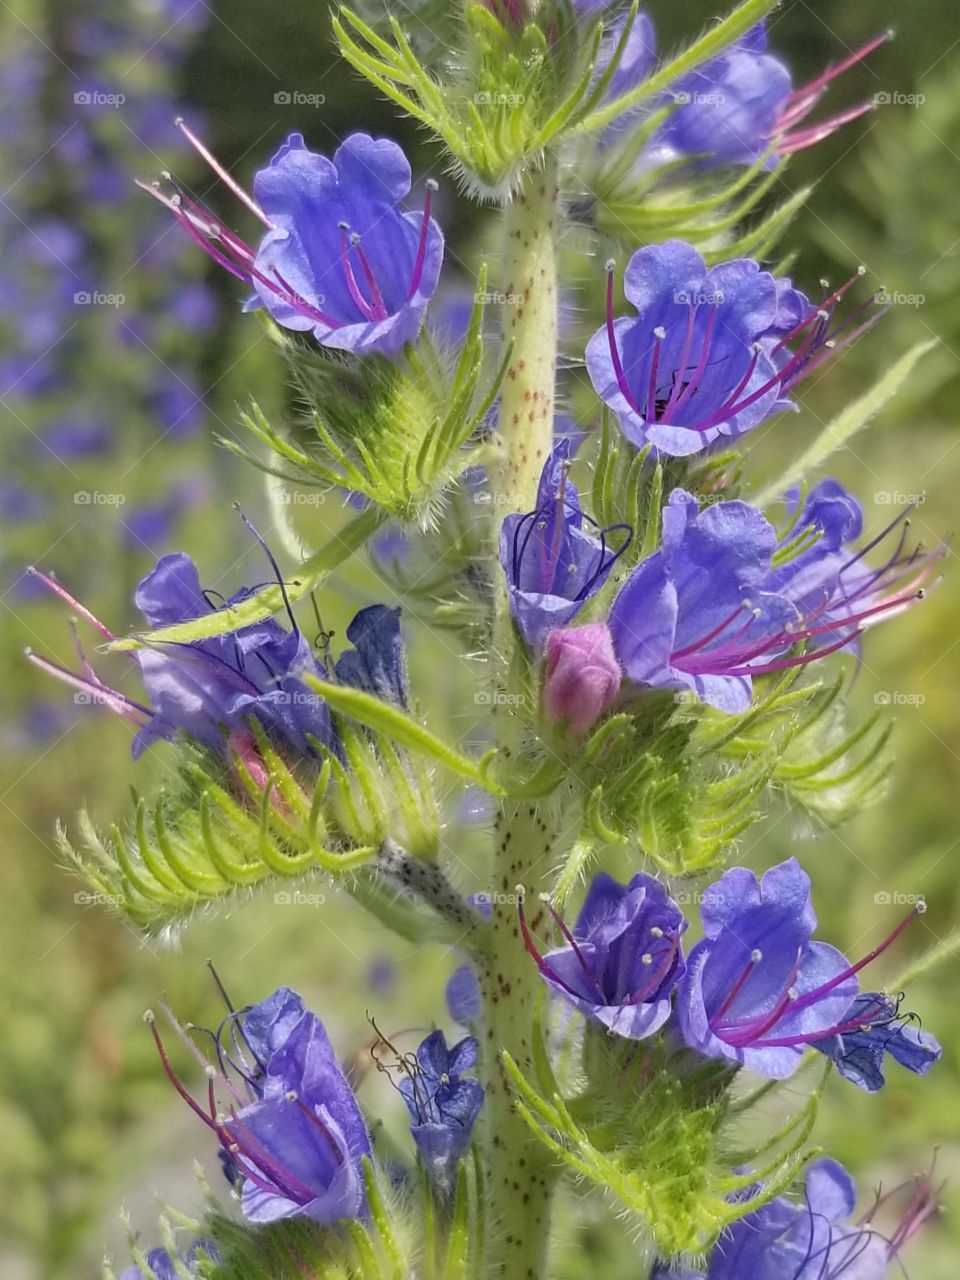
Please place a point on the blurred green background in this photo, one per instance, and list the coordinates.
(88, 1123)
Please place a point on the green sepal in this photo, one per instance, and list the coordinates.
(390, 431)
(396, 724)
(655, 1139)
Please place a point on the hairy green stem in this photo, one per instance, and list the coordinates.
(519, 1177)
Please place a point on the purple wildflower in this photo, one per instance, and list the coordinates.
(711, 353)
(876, 1028)
(710, 611)
(622, 959)
(812, 1240)
(553, 564)
(758, 990)
(339, 259)
(283, 1113)
(444, 1105)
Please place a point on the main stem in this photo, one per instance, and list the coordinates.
(519, 1177)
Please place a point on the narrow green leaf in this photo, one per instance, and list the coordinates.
(738, 23)
(269, 601)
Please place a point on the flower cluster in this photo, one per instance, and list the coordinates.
(756, 991)
(725, 599)
(291, 1134)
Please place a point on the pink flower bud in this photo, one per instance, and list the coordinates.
(583, 674)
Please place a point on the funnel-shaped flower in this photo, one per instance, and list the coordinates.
(724, 600)
(296, 1146)
(758, 990)
(209, 689)
(711, 353)
(339, 258)
(443, 1103)
(622, 958)
(738, 107)
(553, 563)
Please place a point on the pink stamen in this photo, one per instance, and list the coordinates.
(379, 305)
(831, 73)
(422, 245)
(818, 993)
(222, 173)
(688, 392)
(676, 389)
(711, 635)
(657, 974)
(738, 1033)
(737, 987)
(188, 1098)
(111, 698)
(542, 965)
(572, 942)
(804, 138)
(53, 585)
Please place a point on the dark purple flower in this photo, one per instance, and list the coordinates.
(444, 1105)
(210, 689)
(582, 675)
(622, 959)
(711, 353)
(163, 1267)
(758, 990)
(376, 663)
(297, 1143)
(721, 602)
(876, 1028)
(552, 562)
(339, 258)
(813, 1239)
